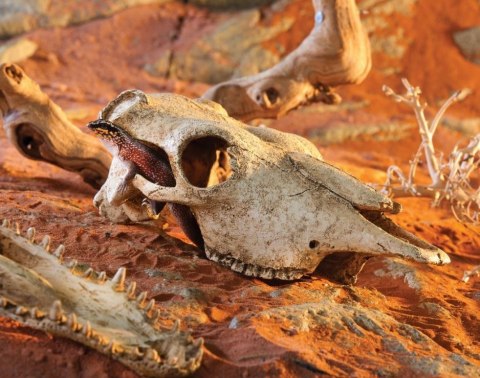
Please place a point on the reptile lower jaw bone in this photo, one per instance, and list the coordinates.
(40, 130)
(73, 301)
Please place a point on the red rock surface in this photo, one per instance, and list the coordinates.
(406, 319)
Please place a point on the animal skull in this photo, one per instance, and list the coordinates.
(280, 214)
(68, 299)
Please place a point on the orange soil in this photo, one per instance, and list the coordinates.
(82, 67)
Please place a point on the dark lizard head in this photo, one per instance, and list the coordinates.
(130, 149)
(154, 166)
(106, 130)
(152, 163)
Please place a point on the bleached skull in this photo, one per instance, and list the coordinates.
(280, 213)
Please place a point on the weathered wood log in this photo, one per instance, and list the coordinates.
(40, 130)
(336, 52)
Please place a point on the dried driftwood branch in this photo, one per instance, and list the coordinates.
(336, 52)
(451, 180)
(40, 130)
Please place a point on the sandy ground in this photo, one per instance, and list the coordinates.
(84, 66)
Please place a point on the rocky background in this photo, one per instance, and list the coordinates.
(400, 319)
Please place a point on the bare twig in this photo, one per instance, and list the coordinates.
(450, 180)
(336, 52)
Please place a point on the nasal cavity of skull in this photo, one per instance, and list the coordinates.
(205, 162)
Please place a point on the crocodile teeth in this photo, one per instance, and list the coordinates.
(59, 252)
(56, 311)
(155, 316)
(114, 348)
(102, 277)
(149, 307)
(17, 228)
(198, 343)
(21, 310)
(152, 354)
(87, 329)
(141, 299)
(6, 223)
(72, 322)
(118, 280)
(40, 314)
(131, 290)
(31, 234)
(176, 327)
(72, 265)
(88, 273)
(36, 313)
(102, 340)
(45, 243)
(172, 354)
(137, 352)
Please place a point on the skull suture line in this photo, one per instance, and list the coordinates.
(280, 214)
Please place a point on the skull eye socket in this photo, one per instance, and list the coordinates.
(205, 162)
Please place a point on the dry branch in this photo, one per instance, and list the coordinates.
(451, 180)
(336, 52)
(40, 130)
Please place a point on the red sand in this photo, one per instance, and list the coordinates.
(104, 57)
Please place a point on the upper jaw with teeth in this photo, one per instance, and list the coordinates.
(252, 270)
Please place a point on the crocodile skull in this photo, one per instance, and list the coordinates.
(281, 212)
(41, 290)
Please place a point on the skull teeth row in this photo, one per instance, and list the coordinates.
(71, 321)
(57, 318)
(117, 282)
(253, 270)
